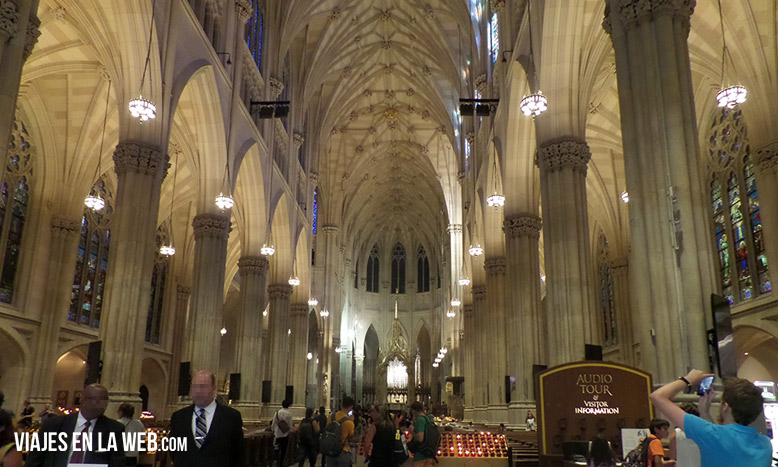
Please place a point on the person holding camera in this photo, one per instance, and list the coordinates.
(732, 443)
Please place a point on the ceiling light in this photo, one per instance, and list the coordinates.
(625, 197)
(224, 201)
(495, 200)
(476, 250)
(313, 302)
(267, 250)
(167, 250)
(450, 314)
(534, 104)
(324, 313)
(731, 96)
(309, 356)
(455, 302)
(464, 281)
(223, 331)
(142, 109)
(294, 281)
(94, 202)
(435, 365)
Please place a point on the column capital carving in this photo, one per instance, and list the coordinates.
(479, 292)
(495, 265)
(31, 38)
(140, 158)
(183, 292)
(211, 226)
(480, 84)
(330, 229)
(252, 265)
(767, 157)
(496, 5)
(523, 225)
(276, 87)
(9, 19)
(243, 9)
(635, 12)
(454, 228)
(619, 264)
(566, 153)
(468, 310)
(314, 177)
(279, 291)
(297, 140)
(298, 310)
(64, 228)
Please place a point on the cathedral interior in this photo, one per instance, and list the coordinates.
(391, 199)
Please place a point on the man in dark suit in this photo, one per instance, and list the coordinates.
(88, 420)
(213, 432)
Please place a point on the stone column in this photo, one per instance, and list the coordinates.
(299, 360)
(279, 337)
(180, 341)
(360, 376)
(19, 32)
(62, 262)
(566, 240)
(334, 373)
(411, 362)
(522, 233)
(140, 170)
(766, 161)
(671, 258)
(468, 342)
(495, 328)
(331, 301)
(205, 310)
(482, 347)
(620, 277)
(248, 347)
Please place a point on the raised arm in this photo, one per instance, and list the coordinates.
(662, 398)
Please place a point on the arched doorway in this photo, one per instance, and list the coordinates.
(69, 376)
(423, 366)
(12, 362)
(153, 378)
(369, 376)
(758, 354)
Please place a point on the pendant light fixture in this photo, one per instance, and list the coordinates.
(93, 201)
(140, 108)
(169, 249)
(496, 199)
(267, 248)
(464, 281)
(294, 281)
(533, 104)
(225, 201)
(732, 95)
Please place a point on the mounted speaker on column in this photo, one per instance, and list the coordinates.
(234, 393)
(289, 394)
(94, 366)
(593, 352)
(266, 391)
(507, 389)
(184, 378)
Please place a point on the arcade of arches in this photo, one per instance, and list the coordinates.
(336, 127)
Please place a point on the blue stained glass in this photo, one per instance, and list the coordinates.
(315, 208)
(494, 37)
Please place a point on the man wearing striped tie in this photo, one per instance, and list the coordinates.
(214, 432)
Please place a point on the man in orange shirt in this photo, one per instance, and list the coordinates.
(660, 429)
(345, 416)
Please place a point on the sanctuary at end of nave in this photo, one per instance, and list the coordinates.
(395, 200)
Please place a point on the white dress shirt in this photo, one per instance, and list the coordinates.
(210, 409)
(80, 422)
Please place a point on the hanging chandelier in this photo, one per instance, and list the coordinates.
(455, 302)
(224, 202)
(450, 314)
(534, 104)
(324, 313)
(625, 197)
(267, 250)
(435, 365)
(313, 302)
(476, 250)
(294, 281)
(140, 108)
(94, 201)
(464, 281)
(495, 200)
(729, 96)
(167, 250)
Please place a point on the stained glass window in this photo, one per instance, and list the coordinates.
(494, 37)
(157, 291)
(398, 269)
(254, 29)
(422, 270)
(14, 200)
(315, 208)
(737, 224)
(86, 297)
(372, 270)
(607, 309)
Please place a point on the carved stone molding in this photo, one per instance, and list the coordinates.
(454, 228)
(523, 225)
(9, 19)
(563, 154)
(468, 310)
(479, 292)
(298, 310)
(252, 265)
(480, 84)
(243, 9)
(276, 87)
(139, 158)
(31, 38)
(183, 293)
(297, 140)
(282, 291)
(330, 229)
(767, 157)
(314, 177)
(496, 265)
(64, 228)
(619, 264)
(496, 5)
(211, 226)
(635, 12)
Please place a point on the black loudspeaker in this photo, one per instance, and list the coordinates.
(184, 378)
(289, 394)
(536, 370)
(94, 366)
(266, 391)
(234, 393)
(507, 389)
(593, 352)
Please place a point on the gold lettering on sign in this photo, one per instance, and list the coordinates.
(593, 383)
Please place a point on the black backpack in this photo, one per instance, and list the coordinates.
(431, 441)
(637, 457)
(306, 434)
(330, 442)
(399, 448)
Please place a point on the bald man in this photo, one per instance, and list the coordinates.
(213, 432)
(88, 420)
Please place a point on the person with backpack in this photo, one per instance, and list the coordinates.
(660, 429)
(426, 437)
(335, 439)
(384, 446)
(307, 439)
(281, 427)
(318, 426)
